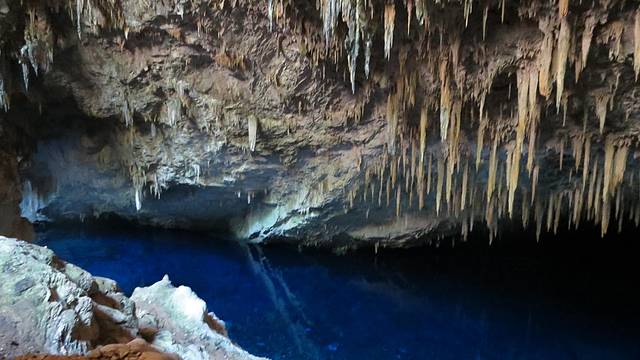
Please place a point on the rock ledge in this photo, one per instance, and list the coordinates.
(48, 306)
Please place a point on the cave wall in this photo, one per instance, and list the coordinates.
(369, 122)
(11, 221)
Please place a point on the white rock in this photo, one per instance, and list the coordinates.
(187, 328)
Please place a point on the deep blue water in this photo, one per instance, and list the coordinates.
(420, 304)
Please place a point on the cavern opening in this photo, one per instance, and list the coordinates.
(338, 179)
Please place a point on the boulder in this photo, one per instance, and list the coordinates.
(186, 326)
(48, 306)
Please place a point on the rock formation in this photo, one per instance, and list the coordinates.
(341, 122)
(52, 307)
(135, 350)
(186, 328)
(11, 221)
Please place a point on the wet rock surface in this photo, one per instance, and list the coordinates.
(52, 307)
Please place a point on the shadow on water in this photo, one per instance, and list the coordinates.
(571, 296)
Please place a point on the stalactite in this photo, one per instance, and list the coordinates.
(614, 34)
(445, 100)
(636, 43)
(601, 100)
(424, 123)
(525, 102)
(388, 192)
(455, 52)
(196, 172)
(606, 213)
(392, 122)
(565, 105)
(354, 38)
(597, 199)
(532, 142)
(545, 59)
(592, 194)
(467, 10)
(620, 210)
(609, 153)
(619, 165)
(439, 184)
(25, 74)
(585, 165)
(174, 111)
(577, 208)
(394, 171)
(561, 156)
(558, 211)
(481, 128)
(587, 36)
(564, 38)
(79, 11)
(465, 180)
(485, 14)
(4, 96)
(138, 200)
(532, 106)
(270, 12)
(577, 145)
(389, 24)
(398, 196)
(563, 7)
(525, 214)
(423, 145)
(449, 180)
(493, 168)
(453, 145)
(127, 113)
(330, 11)
(252, 125)
(412, 171)
(534, 182)
(429, 174)
(367, 55)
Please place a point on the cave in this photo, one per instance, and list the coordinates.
(330, 179)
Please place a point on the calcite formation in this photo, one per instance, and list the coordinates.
(378, 122)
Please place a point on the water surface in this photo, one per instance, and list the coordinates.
(419, 304)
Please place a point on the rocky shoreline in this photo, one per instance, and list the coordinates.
(48, 306)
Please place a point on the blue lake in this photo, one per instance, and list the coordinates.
(418, 304)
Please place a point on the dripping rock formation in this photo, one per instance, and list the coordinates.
(336, 122)
(49, 306)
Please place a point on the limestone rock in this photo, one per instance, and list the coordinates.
(48, 306)
(187, 328)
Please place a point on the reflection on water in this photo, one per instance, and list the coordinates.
(286, 304)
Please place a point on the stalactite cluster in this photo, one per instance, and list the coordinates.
(509, 125)
(37, 52)
(492, 109)
(605, 188)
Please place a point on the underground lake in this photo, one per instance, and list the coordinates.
(514, 299)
